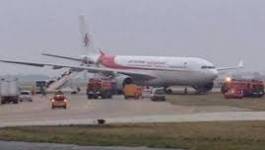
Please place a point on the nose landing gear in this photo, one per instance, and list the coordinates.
(203, 88)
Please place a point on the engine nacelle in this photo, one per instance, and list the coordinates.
(122, 80)
(87, 60)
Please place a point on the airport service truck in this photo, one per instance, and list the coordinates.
(236, 88)
(132, 91)
(9, 90)
(99, 88)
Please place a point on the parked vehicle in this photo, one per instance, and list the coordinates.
(234, 93)
(147, 92)
(41, 86)
(99, 88)
(9, 90)
(25, 96)
(242, 88)
(158, 94)
(59, 100)
(132, 91)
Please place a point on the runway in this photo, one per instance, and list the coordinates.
(49, 146)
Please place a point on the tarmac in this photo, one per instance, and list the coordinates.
(116, 110)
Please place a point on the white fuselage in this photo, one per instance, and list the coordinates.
(167, 70)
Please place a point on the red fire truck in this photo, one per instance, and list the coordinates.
(236, 88)
(99, 88)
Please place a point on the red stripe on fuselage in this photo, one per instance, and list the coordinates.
(109, 62)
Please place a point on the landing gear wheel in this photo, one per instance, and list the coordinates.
(203, 89)
(89, 96)
(3, 101)
(168, 90)
(15, 101)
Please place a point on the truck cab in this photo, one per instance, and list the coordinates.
(99, 88)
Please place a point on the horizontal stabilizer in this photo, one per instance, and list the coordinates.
(240, 65)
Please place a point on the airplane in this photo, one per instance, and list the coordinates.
(157, 71)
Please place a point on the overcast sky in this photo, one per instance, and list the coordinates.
(222, 31)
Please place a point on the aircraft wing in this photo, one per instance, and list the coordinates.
(139, 75)
(240, 65)
(62, 57)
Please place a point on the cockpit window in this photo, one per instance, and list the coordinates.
(208, 67)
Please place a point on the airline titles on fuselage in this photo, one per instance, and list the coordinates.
(153, 64)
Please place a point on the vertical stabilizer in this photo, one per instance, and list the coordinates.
(86, 38)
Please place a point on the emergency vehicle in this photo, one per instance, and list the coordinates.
(239, 88)
(100, 88)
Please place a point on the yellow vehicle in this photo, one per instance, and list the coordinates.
(132, 91)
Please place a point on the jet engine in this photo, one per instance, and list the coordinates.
(87, 60)
(122, 80)
(204, 88)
